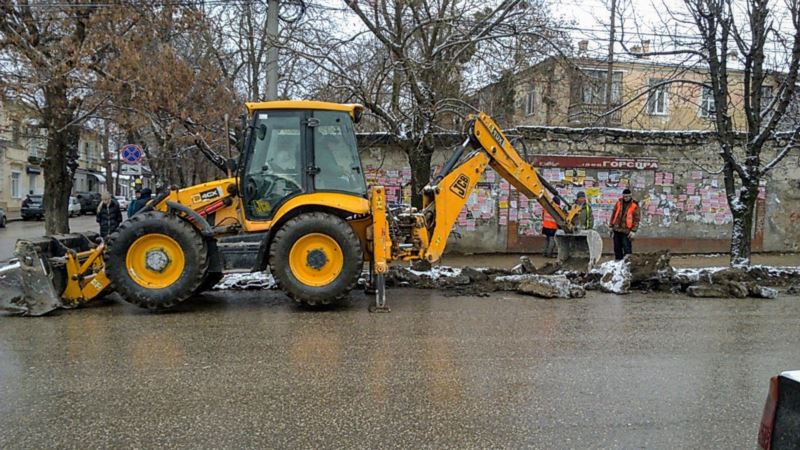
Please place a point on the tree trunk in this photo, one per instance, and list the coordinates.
(419, 158)
(743, 219)
(59, 167)
(107, 161)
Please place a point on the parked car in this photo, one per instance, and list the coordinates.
(74, 207)
(89, 201)
(123, 202)
(33, 209)
(3, 218)
(780, 422)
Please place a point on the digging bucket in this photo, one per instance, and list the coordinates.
(579, 251)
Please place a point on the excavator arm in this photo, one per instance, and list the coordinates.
(486, 146)
(423, 235)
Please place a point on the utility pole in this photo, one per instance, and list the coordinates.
(610, 74)
(272, 52)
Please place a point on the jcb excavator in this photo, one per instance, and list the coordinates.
(297, 202)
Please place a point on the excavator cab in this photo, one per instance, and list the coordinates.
(295, 151)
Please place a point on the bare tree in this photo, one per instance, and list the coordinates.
(46, 55)
(411, 63)
(153, 108)
(767, 53)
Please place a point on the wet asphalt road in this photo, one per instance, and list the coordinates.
(250, 369)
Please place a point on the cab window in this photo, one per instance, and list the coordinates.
(336, 155)
(274, 170)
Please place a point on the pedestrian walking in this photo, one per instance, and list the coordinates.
(141, 202)
(109, 215)
(549, 228)
(584, 220)
(624, 224)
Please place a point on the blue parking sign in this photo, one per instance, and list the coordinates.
(131, 153)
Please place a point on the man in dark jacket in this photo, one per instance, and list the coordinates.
(109, 215)
(141, 202)
(624, 224)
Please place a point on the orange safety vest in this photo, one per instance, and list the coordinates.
(628, 214)
(548, 221)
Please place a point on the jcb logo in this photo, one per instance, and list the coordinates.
(460, 186)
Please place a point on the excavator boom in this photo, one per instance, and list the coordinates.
(443, 200)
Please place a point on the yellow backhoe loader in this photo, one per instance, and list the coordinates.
(297, 202)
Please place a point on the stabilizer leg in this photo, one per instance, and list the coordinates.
(380, 295)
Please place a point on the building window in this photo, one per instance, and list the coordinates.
(707, 105)
(15, 187)
(530, 102)
(86, 151)
(32, 182)
(593, 87)
(657, 97)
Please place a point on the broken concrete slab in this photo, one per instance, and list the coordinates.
(646, 267)
(763, 292)
(615, 276)
(728, 289)
(545, 286)
(474, 275)
(527, 265)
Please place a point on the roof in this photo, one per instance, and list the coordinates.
(349, 108)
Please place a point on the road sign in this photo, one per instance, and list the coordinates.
(131, 154)
(131, 170)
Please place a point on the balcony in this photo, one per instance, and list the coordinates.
(34, 159)
(587, 114)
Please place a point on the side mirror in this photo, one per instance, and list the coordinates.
(262, 132)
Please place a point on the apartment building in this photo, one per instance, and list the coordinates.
(644, 94)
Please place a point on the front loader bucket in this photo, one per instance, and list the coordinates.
(579, 251)
(33, 284)
(26, 286)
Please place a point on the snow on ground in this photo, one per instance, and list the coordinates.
(250, 280)
(436, 272)
(693, 274)
(615, 276)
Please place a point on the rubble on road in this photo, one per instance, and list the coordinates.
(639, 272)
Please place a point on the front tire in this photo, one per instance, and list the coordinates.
(156, 260)
(316, 258)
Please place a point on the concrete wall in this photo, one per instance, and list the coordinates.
(675, 177)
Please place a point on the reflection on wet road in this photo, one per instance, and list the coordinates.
(250, 369)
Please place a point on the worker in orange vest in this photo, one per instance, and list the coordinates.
(549, 228)
(624, 224)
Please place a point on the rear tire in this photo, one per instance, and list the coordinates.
(156, 260)
(3, 222)
(316, 258)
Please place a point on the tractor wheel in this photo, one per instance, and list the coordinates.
(156, 260)
(316, 258)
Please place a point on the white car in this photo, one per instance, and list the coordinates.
(122, 202)
(74, 207)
